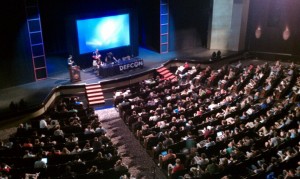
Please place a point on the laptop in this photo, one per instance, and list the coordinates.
(164, 153)
(45, 160)
(219, 134)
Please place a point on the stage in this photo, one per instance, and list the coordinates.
(34, 93)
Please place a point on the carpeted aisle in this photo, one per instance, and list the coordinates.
(134, 155)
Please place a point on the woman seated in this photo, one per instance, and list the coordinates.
(172, 169)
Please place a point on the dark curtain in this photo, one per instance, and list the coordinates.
(15, 54)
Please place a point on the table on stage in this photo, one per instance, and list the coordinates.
(121, 66)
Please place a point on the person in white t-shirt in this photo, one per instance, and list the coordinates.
(43, 123)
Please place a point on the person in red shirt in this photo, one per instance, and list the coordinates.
(208, 131)
(27, 143)
(186, 65)
(5, 168)
(176, 168)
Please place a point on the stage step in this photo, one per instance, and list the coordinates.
(96, 98)
(161, 69)
(96, 102)
(94, 90)
(168, 75)
(94, 94)
(164, 72)
(171, 77)
(92, 87)
(174, 79)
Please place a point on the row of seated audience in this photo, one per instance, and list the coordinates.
(68, 142)
(219, 122)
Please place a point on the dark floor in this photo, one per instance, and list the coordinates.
(34, 93)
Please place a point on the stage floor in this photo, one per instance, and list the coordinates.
(35, 92)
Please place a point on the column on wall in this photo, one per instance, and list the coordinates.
(228, 25)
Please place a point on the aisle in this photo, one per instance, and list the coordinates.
(134, 155)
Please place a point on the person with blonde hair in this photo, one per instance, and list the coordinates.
(175, 168)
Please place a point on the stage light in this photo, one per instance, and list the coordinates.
(258, 32)
(286, 33)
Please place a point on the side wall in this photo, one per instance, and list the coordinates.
(15, 54)
(228, 25)
(273, 17)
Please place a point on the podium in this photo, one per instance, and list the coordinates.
(74, 73)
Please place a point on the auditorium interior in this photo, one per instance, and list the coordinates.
(166, 89)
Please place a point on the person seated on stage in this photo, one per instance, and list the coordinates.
(70, 61)
(96, 55)
(126, 58)
(110, 58)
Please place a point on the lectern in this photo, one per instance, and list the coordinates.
(74, 73)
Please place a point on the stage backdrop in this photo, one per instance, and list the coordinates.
(149, 16)
(59, 21)
(274, 26)
(188, 24)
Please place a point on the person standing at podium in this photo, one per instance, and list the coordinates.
(70, 61)
(74, 70)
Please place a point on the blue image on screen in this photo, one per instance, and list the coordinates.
(103, 33)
